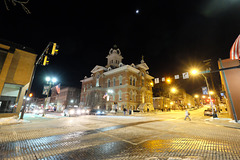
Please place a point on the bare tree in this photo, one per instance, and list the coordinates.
(15, 2)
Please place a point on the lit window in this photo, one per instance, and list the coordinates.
(120, 95)
(120, 80)
(114, 82)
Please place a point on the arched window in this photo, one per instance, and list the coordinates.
(120, 95)
(130, 80)
(135, 96)
(120, 80)
(108, 83)
(114, 81)
(134, 81)
(131, 95)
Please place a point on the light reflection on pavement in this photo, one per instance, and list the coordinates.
(120, 137)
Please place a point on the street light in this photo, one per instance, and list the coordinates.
(196, 95)
(168, 80)
(51, 82)
(173, 90)
(196, 72)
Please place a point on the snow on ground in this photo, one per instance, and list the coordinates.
(11, 120)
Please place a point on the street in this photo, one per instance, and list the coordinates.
(141, 136)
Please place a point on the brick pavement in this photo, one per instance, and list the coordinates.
(119, 138)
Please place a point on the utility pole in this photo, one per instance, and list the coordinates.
(40, 59)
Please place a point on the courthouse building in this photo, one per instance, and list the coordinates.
(117, 85)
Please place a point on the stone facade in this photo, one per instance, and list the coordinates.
(16, 67)
(117, 85)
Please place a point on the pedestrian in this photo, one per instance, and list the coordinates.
(124, 111)
(187, 115)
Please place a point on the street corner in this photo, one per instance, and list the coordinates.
(225, 122)
(12, 120)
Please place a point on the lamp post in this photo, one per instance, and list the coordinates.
(194, 72)
(51, 82)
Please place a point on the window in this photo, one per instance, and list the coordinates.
(142, 82)
(114, 82)
(3, 55)
(120, 95)
(131, 95)
(120, 80)
(108, 83)
(135, 96)
(113, 97)
(8, 98)
(130, 80)
(134, 79)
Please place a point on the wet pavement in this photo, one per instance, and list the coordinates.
(165, 136)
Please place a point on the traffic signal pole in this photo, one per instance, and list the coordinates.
(227, 88)
(33, 74)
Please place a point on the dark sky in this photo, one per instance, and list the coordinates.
(172, 35)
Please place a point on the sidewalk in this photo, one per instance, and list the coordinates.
(226, 122)
(28, 118)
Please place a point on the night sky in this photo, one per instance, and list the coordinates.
(172, 35)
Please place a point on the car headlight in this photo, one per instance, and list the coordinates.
(98, 112)
(78, 111)
(103, 112)
(71, 111)
(87, 111)
(83, 111)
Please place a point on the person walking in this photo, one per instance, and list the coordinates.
(187, 115)
(124, 111)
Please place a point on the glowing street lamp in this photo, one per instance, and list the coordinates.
(51, 82)
(196, 72)
(168, 80)
(211, 92)
(196, 96)
(173, 90)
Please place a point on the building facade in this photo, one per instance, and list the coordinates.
(16, 67)
(118, 86)
(68, 97)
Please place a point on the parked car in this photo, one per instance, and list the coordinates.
(208, 112)
(74, 111)
(97, 112)
(38, 111)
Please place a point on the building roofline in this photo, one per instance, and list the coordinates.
(17, 46)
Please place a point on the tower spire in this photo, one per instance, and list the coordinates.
(142, 61)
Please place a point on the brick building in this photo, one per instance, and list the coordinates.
(68, 97)
(118, 85)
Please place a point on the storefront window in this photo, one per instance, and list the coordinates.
(8, 98)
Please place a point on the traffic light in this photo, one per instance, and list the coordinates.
(45, 60)
(54, 49)
(30, 95)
